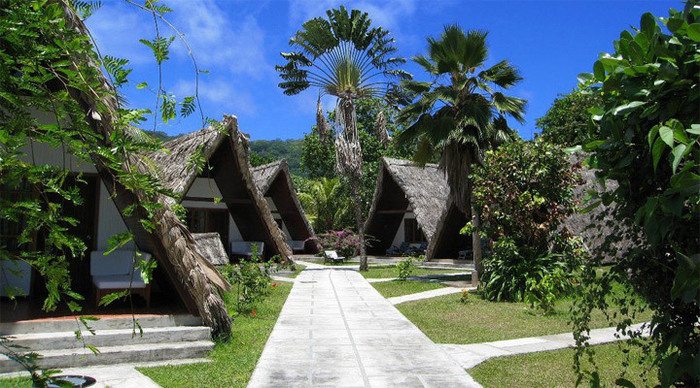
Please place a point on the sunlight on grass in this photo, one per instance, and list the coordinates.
(555, 369)
(380, 272)
(233, 362)
(446, 320)
(398, 288)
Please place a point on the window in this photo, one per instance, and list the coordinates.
(412, 232)
(208, 221)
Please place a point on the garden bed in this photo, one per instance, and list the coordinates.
(555, 369)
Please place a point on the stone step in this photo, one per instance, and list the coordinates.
(53, 325)
(109, 337)
(108, 355)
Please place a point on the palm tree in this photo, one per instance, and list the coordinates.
(343, 56)
(461, 112)
(324, 203)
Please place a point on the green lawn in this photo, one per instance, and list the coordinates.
(555, 369)
(392, 272)
(398, 288)
(297, 270)
(446, 320)
(233, 362)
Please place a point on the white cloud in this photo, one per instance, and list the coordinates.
(117, 29)
(387, 14)
(218, 41)
(219, 95)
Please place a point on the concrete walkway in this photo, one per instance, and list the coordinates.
(335, 329)
(469, 356)
(427, 294)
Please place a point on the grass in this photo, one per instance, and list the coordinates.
(446, 320)
(16, 382)
(233, 362)
(297, 270)
(555, 369)
(398, 288)
(392, 272)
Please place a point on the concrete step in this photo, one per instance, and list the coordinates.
(53, 325)
(108, 355)
(109, 337)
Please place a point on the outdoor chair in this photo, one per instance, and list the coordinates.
(245, 248)
(332, 257)
(115, 272)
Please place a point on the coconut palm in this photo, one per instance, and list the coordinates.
(324, 203)
(461, 112)
(343, 56)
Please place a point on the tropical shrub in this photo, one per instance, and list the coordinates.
(524, 192)
(567, 122)
(345, 242)
(406, 268)
(251, 280)
(649, 143)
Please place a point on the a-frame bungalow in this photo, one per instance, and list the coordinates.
(222, 197)
(408, 212)
(274, 182)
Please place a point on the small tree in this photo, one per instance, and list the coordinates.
(524, 191)
(568, 122)
(345, 57)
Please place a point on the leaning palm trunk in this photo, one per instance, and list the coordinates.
(348, 153)
(173, 244)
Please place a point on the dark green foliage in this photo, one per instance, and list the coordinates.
(648, 142)
(463, 111)
(317, 157)
(524, 192)
(568, 121)
(267, 151)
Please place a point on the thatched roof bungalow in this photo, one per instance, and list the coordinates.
(223, 197)
(274, 182)
(408, 207)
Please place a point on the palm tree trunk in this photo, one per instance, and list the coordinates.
(349, 164)
(359, 219)
(476, 244)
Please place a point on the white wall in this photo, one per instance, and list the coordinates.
(109, 221)
(400, 236)
(41, 153)
(207, 188)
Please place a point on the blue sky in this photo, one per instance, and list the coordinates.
(239, 42)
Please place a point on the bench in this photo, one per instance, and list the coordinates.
(332, 257)
(115, 272)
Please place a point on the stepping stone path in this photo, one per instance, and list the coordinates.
(472, 355)
(427, 294)
(336, 330)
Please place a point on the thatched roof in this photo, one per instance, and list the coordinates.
(275, 181)
(210, 246)
(174, 161)
(264, 175)
(404, 185)
(424, 187)
(597, 226)
(225, 149)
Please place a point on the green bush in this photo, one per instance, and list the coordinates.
(648, 142)
(406, 268)
(524, 192)
(251, 281)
